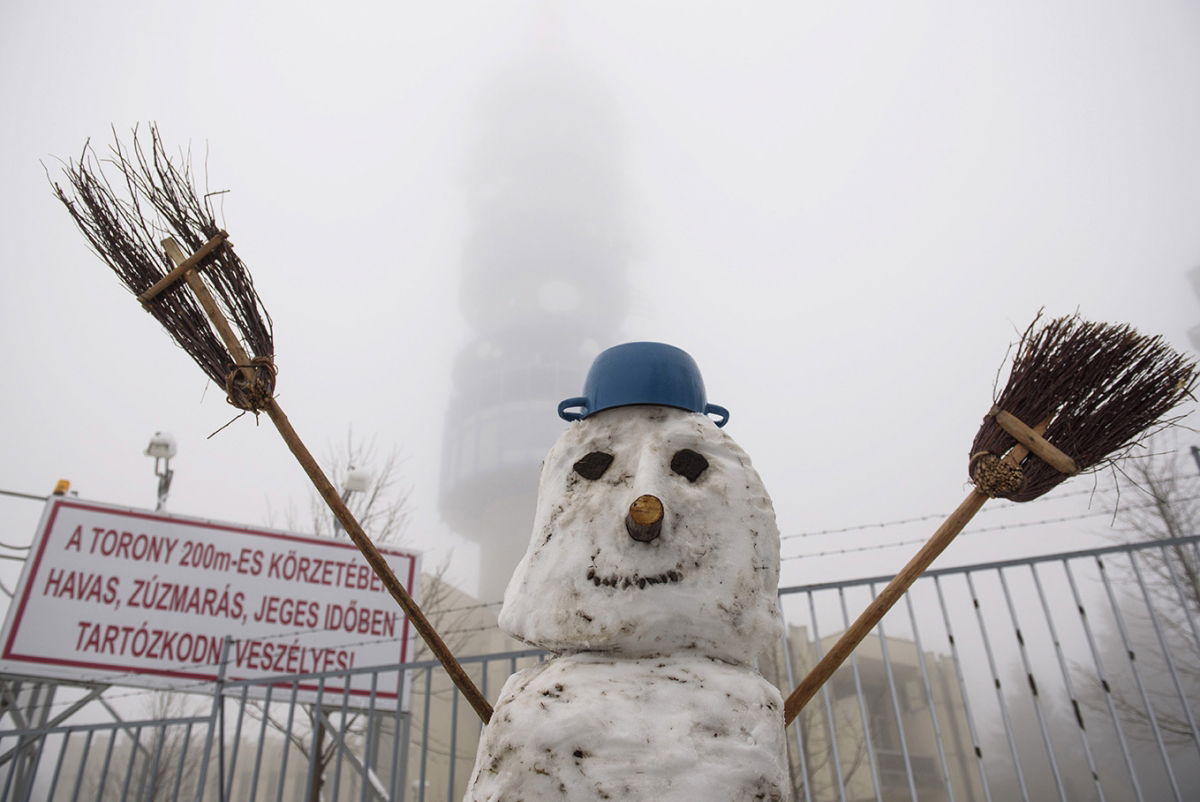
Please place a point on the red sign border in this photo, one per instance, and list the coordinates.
(51, 514)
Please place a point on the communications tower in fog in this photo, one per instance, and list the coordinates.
(544, 287)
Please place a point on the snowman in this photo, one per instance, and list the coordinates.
(651, 574)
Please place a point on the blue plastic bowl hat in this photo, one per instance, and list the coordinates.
(642, 373)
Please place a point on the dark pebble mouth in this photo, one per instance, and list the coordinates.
(635, 581)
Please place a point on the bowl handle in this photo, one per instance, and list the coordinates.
(713, 409)
(563, 406)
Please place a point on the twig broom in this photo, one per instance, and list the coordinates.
(208, 304)
(1091, 391)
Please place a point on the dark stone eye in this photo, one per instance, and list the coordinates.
(688, 464)
(593, 465)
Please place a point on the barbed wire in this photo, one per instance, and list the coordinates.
(942, 515)
(978, 530)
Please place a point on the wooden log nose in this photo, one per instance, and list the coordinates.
(644, 521)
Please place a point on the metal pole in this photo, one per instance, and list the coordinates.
(891, 680)
(1137, 677)
(112, 740)
(962, 689)
(137, 736)
(826, 698)
(987, 648)
(262, 737)
(316, 774)
(1066, 677)
(372, 742)
(862, 707)
(287, 742)
(1033, 686)
(149, 782)
(790, 674)
(183, 761)
(425, 732)
(398, 776)
(340, 734)
(1104, 684)
(214, 715)
(237, 739)
(937, 730)
(1162, 644)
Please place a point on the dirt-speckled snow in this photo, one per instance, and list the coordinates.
(653, 695)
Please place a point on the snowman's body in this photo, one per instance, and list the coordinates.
(653, 695)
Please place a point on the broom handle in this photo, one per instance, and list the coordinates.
(336, 505)
(900, 583)
(378, 564)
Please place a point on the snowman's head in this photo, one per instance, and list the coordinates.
(653, 534)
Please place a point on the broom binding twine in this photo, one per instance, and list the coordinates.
(250, 383)
(999, 477)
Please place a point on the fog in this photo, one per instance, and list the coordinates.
(846, 214)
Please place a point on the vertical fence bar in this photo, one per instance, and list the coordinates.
(133, 753)
(316, 737)
(237, 740)
(1066, 678)
(151, 779)
(108, 752)
(453, 744)
(62, 751)
(371, 745)
(344, 731)
(183, 758)
(218, 706)
(872, 760)
(399, 773)
(1137, 677)
(1104, 684)
(1184, 602)
(991, 660)
(1033, 686)
(425, 733)
(826, 696)
(14, 765)
(790, 673)
(87, 748)
(35, 759)
(1166, 650)
(962, 690)
(18, 769)
(287, 742)
(891, 680)
(933, 716)
(262, 738)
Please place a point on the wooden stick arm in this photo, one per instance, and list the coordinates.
(379, 565)
(875, 611)
(891, 594)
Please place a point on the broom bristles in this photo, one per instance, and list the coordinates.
(157, 198)
(1103, 388)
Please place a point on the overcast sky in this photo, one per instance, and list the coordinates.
(845, 212)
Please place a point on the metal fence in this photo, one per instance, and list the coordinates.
(1067, 676)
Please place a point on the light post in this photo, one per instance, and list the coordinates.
(162, 448)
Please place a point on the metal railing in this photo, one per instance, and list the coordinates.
(1064, 676)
